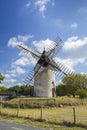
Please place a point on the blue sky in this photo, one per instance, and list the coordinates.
(37, 23)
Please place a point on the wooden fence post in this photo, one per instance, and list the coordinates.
(41, 113)
(18, 108)
(74, 115)
(0, 106)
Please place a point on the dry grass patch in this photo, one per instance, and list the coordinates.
(51, 115)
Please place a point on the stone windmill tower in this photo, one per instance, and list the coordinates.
(44, 71)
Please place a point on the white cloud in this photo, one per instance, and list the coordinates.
(28, 57)
(7, 75)
(10, 81)
(74, 25)
(16, 67)
(70, 63)
(41, 4)
(19, 84)
(74, 51)
(11, 77)
(14, 41)
(28, 4)
(24, 38)
(66, 62)
(2, 84)
(42, 44)
(83, 73)
(75, 43)
(19, 70)
(23, 61)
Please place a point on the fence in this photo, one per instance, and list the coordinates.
(74, 115)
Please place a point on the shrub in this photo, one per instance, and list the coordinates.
(82, 93)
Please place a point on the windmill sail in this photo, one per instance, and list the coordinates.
(29, 79)
(55, 45)
(45, 61)
(27, 49)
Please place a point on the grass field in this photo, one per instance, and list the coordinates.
(52, 102)
(54, 117)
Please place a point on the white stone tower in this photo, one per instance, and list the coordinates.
(44, 84)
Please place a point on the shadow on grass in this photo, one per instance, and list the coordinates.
(76, 125)
(64, 123)
(69, 124)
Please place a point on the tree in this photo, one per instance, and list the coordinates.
(61, 90)
(22, 90)
(3, 88)
(15, 88)
(73, 82)
(82, 93)
(1, 77)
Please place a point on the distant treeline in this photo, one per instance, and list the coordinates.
(20, 90)
(75, 84)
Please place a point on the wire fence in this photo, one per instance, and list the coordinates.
(74, 115)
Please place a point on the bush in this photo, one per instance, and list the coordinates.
(82, 93)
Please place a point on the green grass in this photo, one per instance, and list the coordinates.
(57, 118)
(57, 112)
(37, 102)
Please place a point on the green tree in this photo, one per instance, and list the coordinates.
(61, 90)
(22, 90)
(73, 82)
(1, 77)
(15, 88)
(3, 88)
(82, 93)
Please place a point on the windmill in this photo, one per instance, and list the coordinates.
(45, 69)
